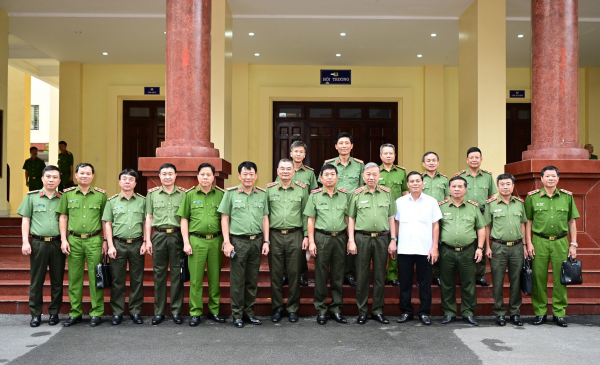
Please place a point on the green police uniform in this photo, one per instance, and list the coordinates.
(65, 161)
(507, 250)
(371, 211)
(395, 180)
(45, 250)
(479, 188)
(127, 217)
(34, 170)
(85, 227)
(206, 239)
(438, 188)
(167, 246)
(550, 216)
(349, 178)
(287, 230)
(246, 212)
(458, 234)
(331, 240)
(593, 157)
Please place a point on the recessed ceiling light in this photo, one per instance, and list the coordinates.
(250, 34)
(419, 55)
(433, 35)
(257, 54)
(165, 32)
(520, 36)
(105, 53)
(338, 55)
(343, 34)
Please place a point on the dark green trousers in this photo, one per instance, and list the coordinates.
(463, 263)
(244, 268)
(46, 255)
(304, 269)
(350, 270)
(392, 267)
(205, 254)
(84, 251)
(167, 251)
(285, 248)
(127, 253)
(480, 267)
(370, 249)
(330, 259)
(510, 257)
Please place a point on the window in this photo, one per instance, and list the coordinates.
(35, 117)
(320, 112)
(290, 112)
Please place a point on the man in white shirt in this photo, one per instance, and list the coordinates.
(417, 217)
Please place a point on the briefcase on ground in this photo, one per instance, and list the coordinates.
(527, 277)
(570, 272)
(184, 271)
(103, 277)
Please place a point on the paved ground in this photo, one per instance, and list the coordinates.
(302, 343)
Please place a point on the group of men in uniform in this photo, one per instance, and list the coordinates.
(349, 226)
(34, 166)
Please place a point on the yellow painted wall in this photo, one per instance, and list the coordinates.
(4, 205)
(592, 108)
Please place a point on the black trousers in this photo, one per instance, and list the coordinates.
(406, 270)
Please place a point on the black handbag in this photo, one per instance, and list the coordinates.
(103, 277)
(570, 272)
(527, 277)
(184, 271)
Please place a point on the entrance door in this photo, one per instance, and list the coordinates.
(318, 123)
(143, 131)
(518, 130)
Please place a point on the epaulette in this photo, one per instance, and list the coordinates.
(460, 172)
(181, 189)
(271, 184)
(385, 188)
(357, 191)
(443, 175)
(232, 188)
(112, 197)
(100, 190)
(316, 190)
(140, 195)
(300, 184)
(342, 190)
(519, 199)
(33, 191)
(472, 202)
(69, 153)
(490, 200)
(69, 189)
(566, 191)
(359, 161)
(330, 160)
(259, 188)
(489, 172)
(440, 203)
(154, 189)
(190, 189)
(533, 192)
(400, 167)
(310, 168)
(216, 187)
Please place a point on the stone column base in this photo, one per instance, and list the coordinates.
(187, 169)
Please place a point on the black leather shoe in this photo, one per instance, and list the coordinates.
(35, 321)
(437, 281)
(284, 281)
(293, 317)
(53, 320)
(516, 320)
(137, 318)
(380, 318)
(304, 282)
(276, 316)
(252, 320)
(238, 323)
(216, 318)
(116, 320)
(95, 321)
(350, 281)
(394, 282)
(194, 321)
(471, 320)
(361, 319)
(339, 318)
(177, 319)
(157, 320)
(482, 282)
(425, 320)
(501, 321)
(539, 320)
(448, 319)
(405, 318)
(321, 319)
(71, 321)
(560, 321)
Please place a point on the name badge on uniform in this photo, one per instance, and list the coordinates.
(497, 210)
(364, 201)
(380, 178)
(540, 204)
(239, 201)
(275, 194)
(158, 201)
(197, 202)
(447, 213)
(322, 203)
(424, 182)
(118, 207)
(41, 205)
(74, 201)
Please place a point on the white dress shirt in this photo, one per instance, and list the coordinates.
(416, 219)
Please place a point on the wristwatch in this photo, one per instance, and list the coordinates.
(394, 239)
(480, 248)
(574, 244)
(267, 242)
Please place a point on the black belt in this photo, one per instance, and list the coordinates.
(507, 243)
(168, 230)
(482, 209)
(128, 240)
(248, 237)
(332, 234)
(34, 177)
(373, 234)
(457, 248)
(287, 231)
(206, 237)
(551, 238)
(46, 239)
(87, 235)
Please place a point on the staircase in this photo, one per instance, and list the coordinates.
(14, 286)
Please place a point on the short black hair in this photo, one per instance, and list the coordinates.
(129, 172)
(504, 177)
(82, 165)
(299, 144)
(328, 166)
(414, 173)
(32, 148)
(62, 142)
(167, 166)
(206, 164)
(344, 135)
(248, 165)
(432, 153)
(458, 178)
(474, 149)
(50, 168)
(550, 167)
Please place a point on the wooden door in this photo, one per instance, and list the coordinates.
(143, 132)
(518, 130)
